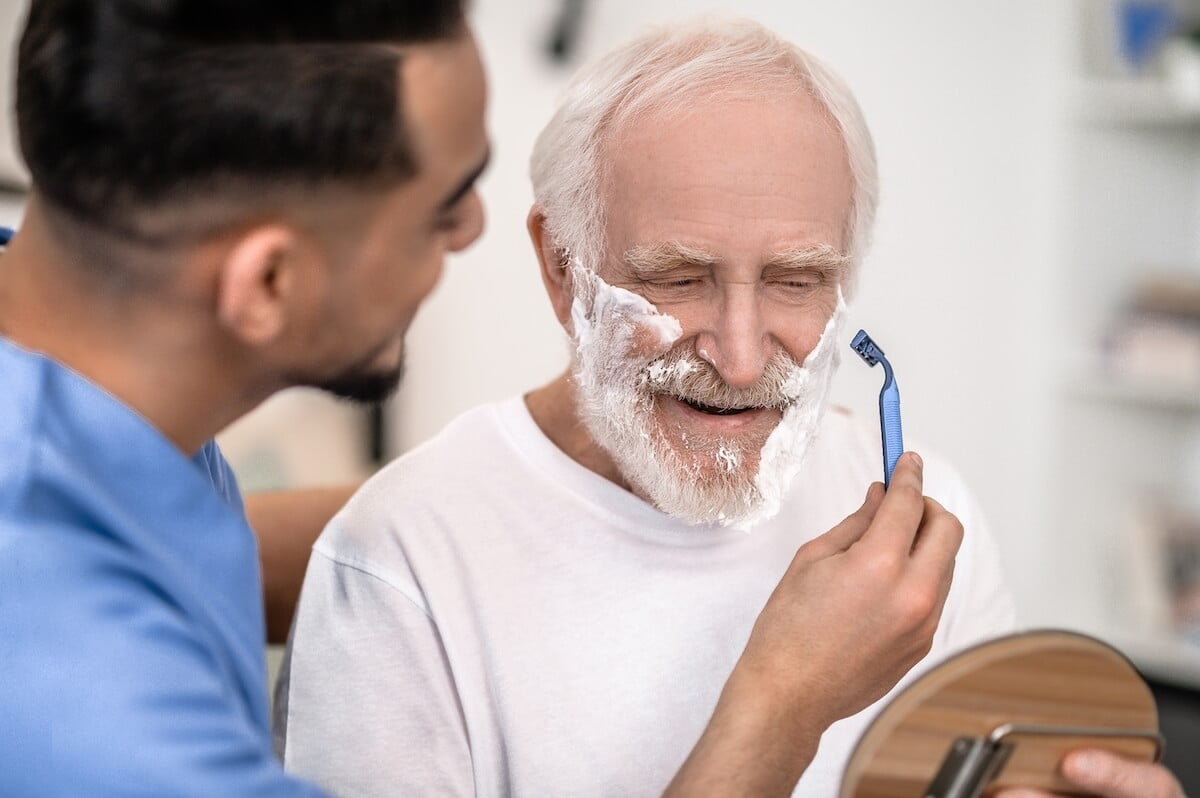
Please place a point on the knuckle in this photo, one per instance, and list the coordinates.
(955, 530)
(910, 493)
(916, 605)
(947, 525)
(880, 567)
(806, 553)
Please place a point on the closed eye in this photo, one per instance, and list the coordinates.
(797, 279)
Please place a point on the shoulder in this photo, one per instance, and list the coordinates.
(21, 407)
(847, 437)
(438, 469)
(850, 443)
(416, 493)
(220, 473)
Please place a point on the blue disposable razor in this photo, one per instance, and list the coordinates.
(889, 403)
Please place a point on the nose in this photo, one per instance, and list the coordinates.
(736, 341)
(471, 227)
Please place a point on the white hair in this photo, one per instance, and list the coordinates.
(668, 68)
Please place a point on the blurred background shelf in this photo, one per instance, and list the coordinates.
(1172, 669)
(1136, 393)
(1164, 659)
(1136, 102)
(1126, 469)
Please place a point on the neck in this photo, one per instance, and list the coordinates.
(159, 354)
(555, 409)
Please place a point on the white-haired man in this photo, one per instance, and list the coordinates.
(552, 595)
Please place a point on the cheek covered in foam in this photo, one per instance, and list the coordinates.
(808, 388)
(617, 319)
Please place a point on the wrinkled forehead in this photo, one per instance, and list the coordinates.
(730, 179)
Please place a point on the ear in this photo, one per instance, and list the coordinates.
(257, 284)
(556, 275)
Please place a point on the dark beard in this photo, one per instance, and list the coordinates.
(364, 387)
(358, 382)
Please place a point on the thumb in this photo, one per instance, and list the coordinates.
(847, 533)
(1112, 776)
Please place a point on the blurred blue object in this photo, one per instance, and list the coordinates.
(1143, 26)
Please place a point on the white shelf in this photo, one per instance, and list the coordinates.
(12, 207)
(1139, 393)
(1136, 102)
(1166, 659)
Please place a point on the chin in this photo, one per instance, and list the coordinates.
(712, 486)
(699, 502)
(363, 384)
(369, 388)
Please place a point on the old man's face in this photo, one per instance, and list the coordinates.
(730, 220)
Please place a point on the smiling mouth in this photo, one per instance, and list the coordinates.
(715, 411)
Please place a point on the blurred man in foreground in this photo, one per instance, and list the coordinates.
(229, 198)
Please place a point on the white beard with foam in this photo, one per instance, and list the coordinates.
(616, 389)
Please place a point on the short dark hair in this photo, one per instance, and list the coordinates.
(126, 104)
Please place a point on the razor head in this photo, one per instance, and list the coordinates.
(866, 348)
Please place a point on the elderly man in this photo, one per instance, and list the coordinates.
(551, 595)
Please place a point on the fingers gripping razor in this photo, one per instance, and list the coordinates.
(889, 403)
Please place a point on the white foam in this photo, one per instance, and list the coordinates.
(611, 302)
(729, 458)
(783, 452)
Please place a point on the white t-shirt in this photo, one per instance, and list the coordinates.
(488, 617)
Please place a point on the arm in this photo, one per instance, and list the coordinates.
(753, 745)
(286, 524)
(111, 690)
(855, 611)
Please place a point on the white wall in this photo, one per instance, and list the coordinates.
(12, 17)
(965, 100)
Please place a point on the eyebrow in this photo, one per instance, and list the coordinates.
(819, 258)
(466, 184)
(654, 258)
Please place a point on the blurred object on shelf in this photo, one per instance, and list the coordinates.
(1155, 337)
(1143, 28)
(1181, 67)
(1146, 46)
(1164, 570)
(564, 38)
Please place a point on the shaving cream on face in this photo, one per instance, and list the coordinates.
(620, 368)
(614, 305)
(606, 321)
(808, 388)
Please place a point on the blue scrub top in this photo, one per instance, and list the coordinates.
(131, 620)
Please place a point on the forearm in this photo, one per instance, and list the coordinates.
(755, 745)
(287, 523)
